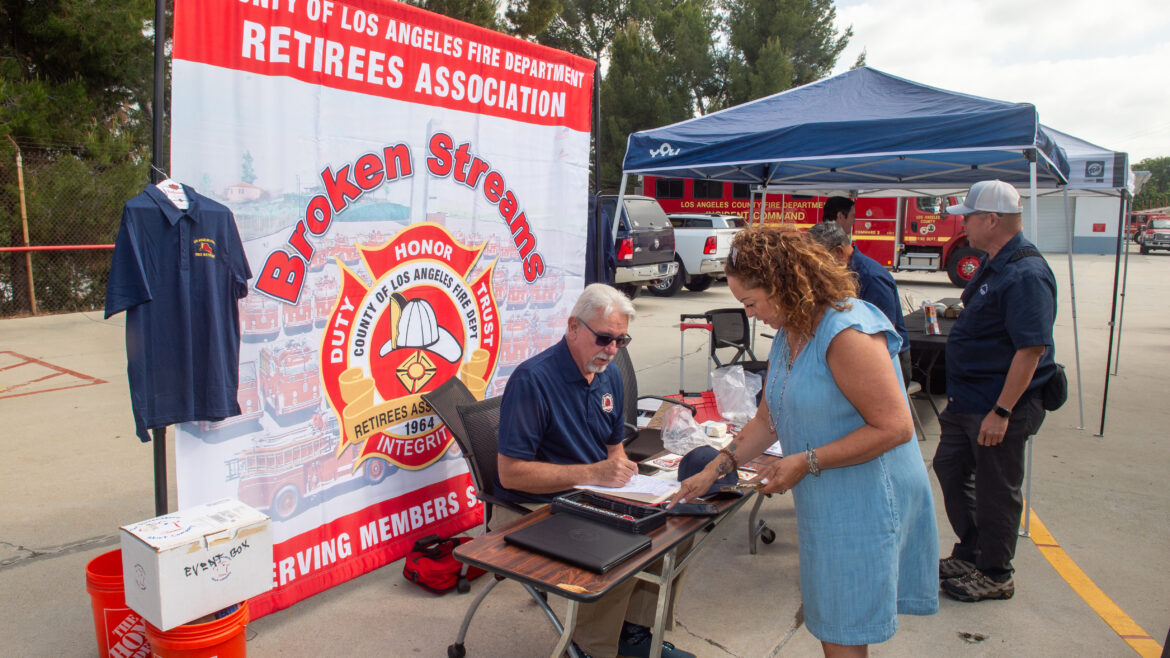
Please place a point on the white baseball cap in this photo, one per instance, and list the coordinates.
(989, 196)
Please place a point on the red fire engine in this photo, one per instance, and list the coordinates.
(278, 472)
(324, 295)
(517, 293)
(290, 381)
(492, 249)
(900, 233)
(320, 257)
(259, 318)
(297, 318)
(344, 249)
(248, 396)
(373, 240)
(547, 290)
(516, 344)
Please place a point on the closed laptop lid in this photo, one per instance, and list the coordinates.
(579, 542)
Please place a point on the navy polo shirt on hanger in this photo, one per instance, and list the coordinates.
(178, 275)
(551, 414)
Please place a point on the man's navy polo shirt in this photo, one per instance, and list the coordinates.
(551, 414)
(178, 275)
(1007, 306)
(876, 286)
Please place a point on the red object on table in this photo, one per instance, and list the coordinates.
(705, 407)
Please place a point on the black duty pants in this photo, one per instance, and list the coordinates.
(981, 485)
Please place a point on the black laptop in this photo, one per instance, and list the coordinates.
(580, 542)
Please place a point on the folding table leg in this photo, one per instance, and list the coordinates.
(754, 527)
(566, 632)
(664, 587)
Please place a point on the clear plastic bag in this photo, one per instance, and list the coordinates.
(735, 393)
(680, 432)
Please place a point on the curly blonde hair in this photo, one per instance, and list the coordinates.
(798, 274)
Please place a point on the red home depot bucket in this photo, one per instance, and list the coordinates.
(222, 638)
(120, 631)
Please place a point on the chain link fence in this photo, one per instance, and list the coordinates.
(70, 202)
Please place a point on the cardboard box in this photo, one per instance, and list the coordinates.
(196, 561)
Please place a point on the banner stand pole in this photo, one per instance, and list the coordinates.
(159, 439)
(159, 435)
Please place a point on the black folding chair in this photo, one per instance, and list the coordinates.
(480, 423)
(445, 401)
(730, 329)
(646, 442)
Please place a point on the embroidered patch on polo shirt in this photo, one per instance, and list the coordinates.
(607, 403)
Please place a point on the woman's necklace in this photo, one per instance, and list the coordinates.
(789, 356)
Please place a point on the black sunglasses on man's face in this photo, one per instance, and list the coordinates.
(603, 340)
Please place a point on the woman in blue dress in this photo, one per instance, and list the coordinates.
(835, 400)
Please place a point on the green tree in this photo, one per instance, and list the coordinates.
(1156, 191)
(247, 172)
(629, 104)
(531, 17)
(657, 58)
(476, 12)
(76, 88)
(774, 45)
(859, 62)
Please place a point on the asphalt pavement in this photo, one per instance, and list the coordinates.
(74, 473)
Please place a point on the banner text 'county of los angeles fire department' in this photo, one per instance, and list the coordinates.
(411, 194)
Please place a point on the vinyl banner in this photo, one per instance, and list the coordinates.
(411, 192)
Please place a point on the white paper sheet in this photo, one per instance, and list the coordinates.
(640, 487)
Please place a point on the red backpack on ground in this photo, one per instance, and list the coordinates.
(431, 565)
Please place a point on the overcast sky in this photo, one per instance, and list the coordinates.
(1095, 69)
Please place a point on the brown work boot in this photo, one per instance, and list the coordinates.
(953, 567)
(977, 586)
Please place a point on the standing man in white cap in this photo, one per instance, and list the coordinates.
(999, 356)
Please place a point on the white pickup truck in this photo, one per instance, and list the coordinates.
(701, 244)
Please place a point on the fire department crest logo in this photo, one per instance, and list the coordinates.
(607, 403)
(425, 318)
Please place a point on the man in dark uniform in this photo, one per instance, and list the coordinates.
(561, 425)
(999, 356)
(874, 283)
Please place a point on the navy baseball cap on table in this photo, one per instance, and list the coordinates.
(696, 460)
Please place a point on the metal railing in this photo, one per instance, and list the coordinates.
(59, 212)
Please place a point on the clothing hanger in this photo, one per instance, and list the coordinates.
(172, 189)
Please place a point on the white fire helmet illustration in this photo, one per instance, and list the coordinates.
(414, 325)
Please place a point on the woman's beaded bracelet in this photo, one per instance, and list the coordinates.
(813, 466)
(734, 461)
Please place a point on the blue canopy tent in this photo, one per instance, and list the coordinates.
(863, 129)
(859, 130)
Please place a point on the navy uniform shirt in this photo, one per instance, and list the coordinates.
(1008, 305)
(876, 286)
(551, 414)
(178, 275)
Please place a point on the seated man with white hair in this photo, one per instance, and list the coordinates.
(561, 425)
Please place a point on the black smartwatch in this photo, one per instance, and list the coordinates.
(1002, 411)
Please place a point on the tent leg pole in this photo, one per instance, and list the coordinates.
(1028, 489)
(1034, 203)
(1069, 222)
(1124, 212)
(1112, 326)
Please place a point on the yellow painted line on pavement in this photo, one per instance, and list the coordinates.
(1139, 640)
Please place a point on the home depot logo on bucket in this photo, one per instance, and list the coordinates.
(429, 315)
(127, 639)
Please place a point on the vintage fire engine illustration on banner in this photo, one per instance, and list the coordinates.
(425, 318)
